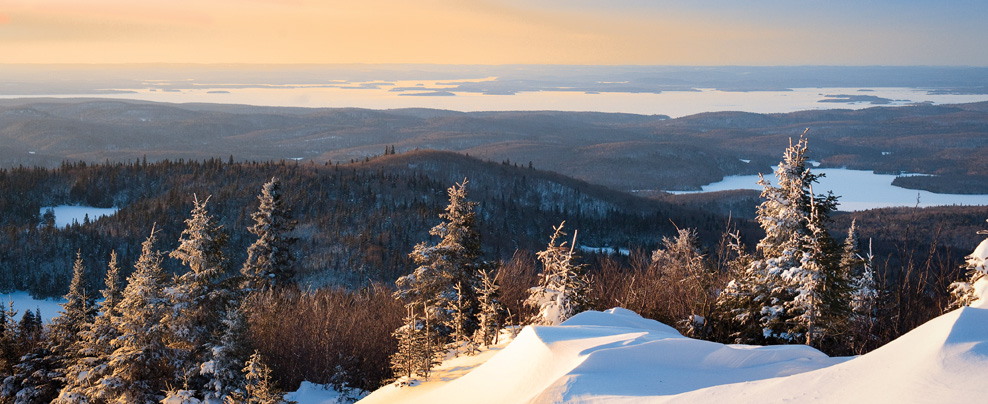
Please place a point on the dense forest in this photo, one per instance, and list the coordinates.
(357, 222)
(359, 227)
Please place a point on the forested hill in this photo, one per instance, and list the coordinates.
(356, 222)
(621, 151)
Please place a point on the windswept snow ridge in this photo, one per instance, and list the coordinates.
(619, 357)
(612, 355)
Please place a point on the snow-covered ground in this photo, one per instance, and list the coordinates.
(310, 393)
(619, 357)
(67, 214)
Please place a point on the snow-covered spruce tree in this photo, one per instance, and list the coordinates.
(492, 311)
(270, 260)
(259, 389)
(563, 287)
(94, 346)
(418, 353)
(197, 297)
(447, 274)
(790, 287)
(975, 288)
(225, 358)
(864, 294)
(734, 310)
(40, 375)
(141, 366)
(404, 361)
(10, 352)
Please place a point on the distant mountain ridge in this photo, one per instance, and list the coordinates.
(620, 151)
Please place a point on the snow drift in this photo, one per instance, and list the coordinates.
(619, 357)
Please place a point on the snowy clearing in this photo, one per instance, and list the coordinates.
(619, 357)
(65, 215)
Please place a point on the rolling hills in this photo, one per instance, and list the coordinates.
(620, 151)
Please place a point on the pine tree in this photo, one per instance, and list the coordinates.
(259, 389)
(784, 295)
(197, 298)
(10, 350)
(491, 309)
(141, 365)
(269, 260)
(967, 292)
(563, 287)
(404, 361)
(864, 294)
(40, 375)
(418, 353)
(94, 346)
(224, 359)
(447, 274)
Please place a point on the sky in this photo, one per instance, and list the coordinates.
(600, 32)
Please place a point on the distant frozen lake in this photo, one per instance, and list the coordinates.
(672, 103)
(857, 189)
(65, 215)
(23, 301)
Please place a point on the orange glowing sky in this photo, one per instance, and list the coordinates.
(697, 32)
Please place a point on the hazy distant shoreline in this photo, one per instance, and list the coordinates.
(650, 90)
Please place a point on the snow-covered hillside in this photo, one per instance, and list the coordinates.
(619, 357)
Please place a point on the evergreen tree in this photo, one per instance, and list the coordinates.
(418, 353)
(259, 389)
(40, 375)
(864, 294)
(492, 311)
(736, 322)
(197, 298)
(10, 350)
(447, 274)
(785, 294)
(224, 358)
(141, 365)
(270, 260)
(563, 287)
(966, 293)
(95, 344)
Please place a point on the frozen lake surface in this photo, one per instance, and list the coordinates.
(65, 215)
(858, 190)
(23, 301)
(672, 103)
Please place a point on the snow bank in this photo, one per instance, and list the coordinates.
(612, 354)
(311, 393)
(618, 357)
(942, 361)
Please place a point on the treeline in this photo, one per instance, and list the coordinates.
(362, 226)
(357, 223)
